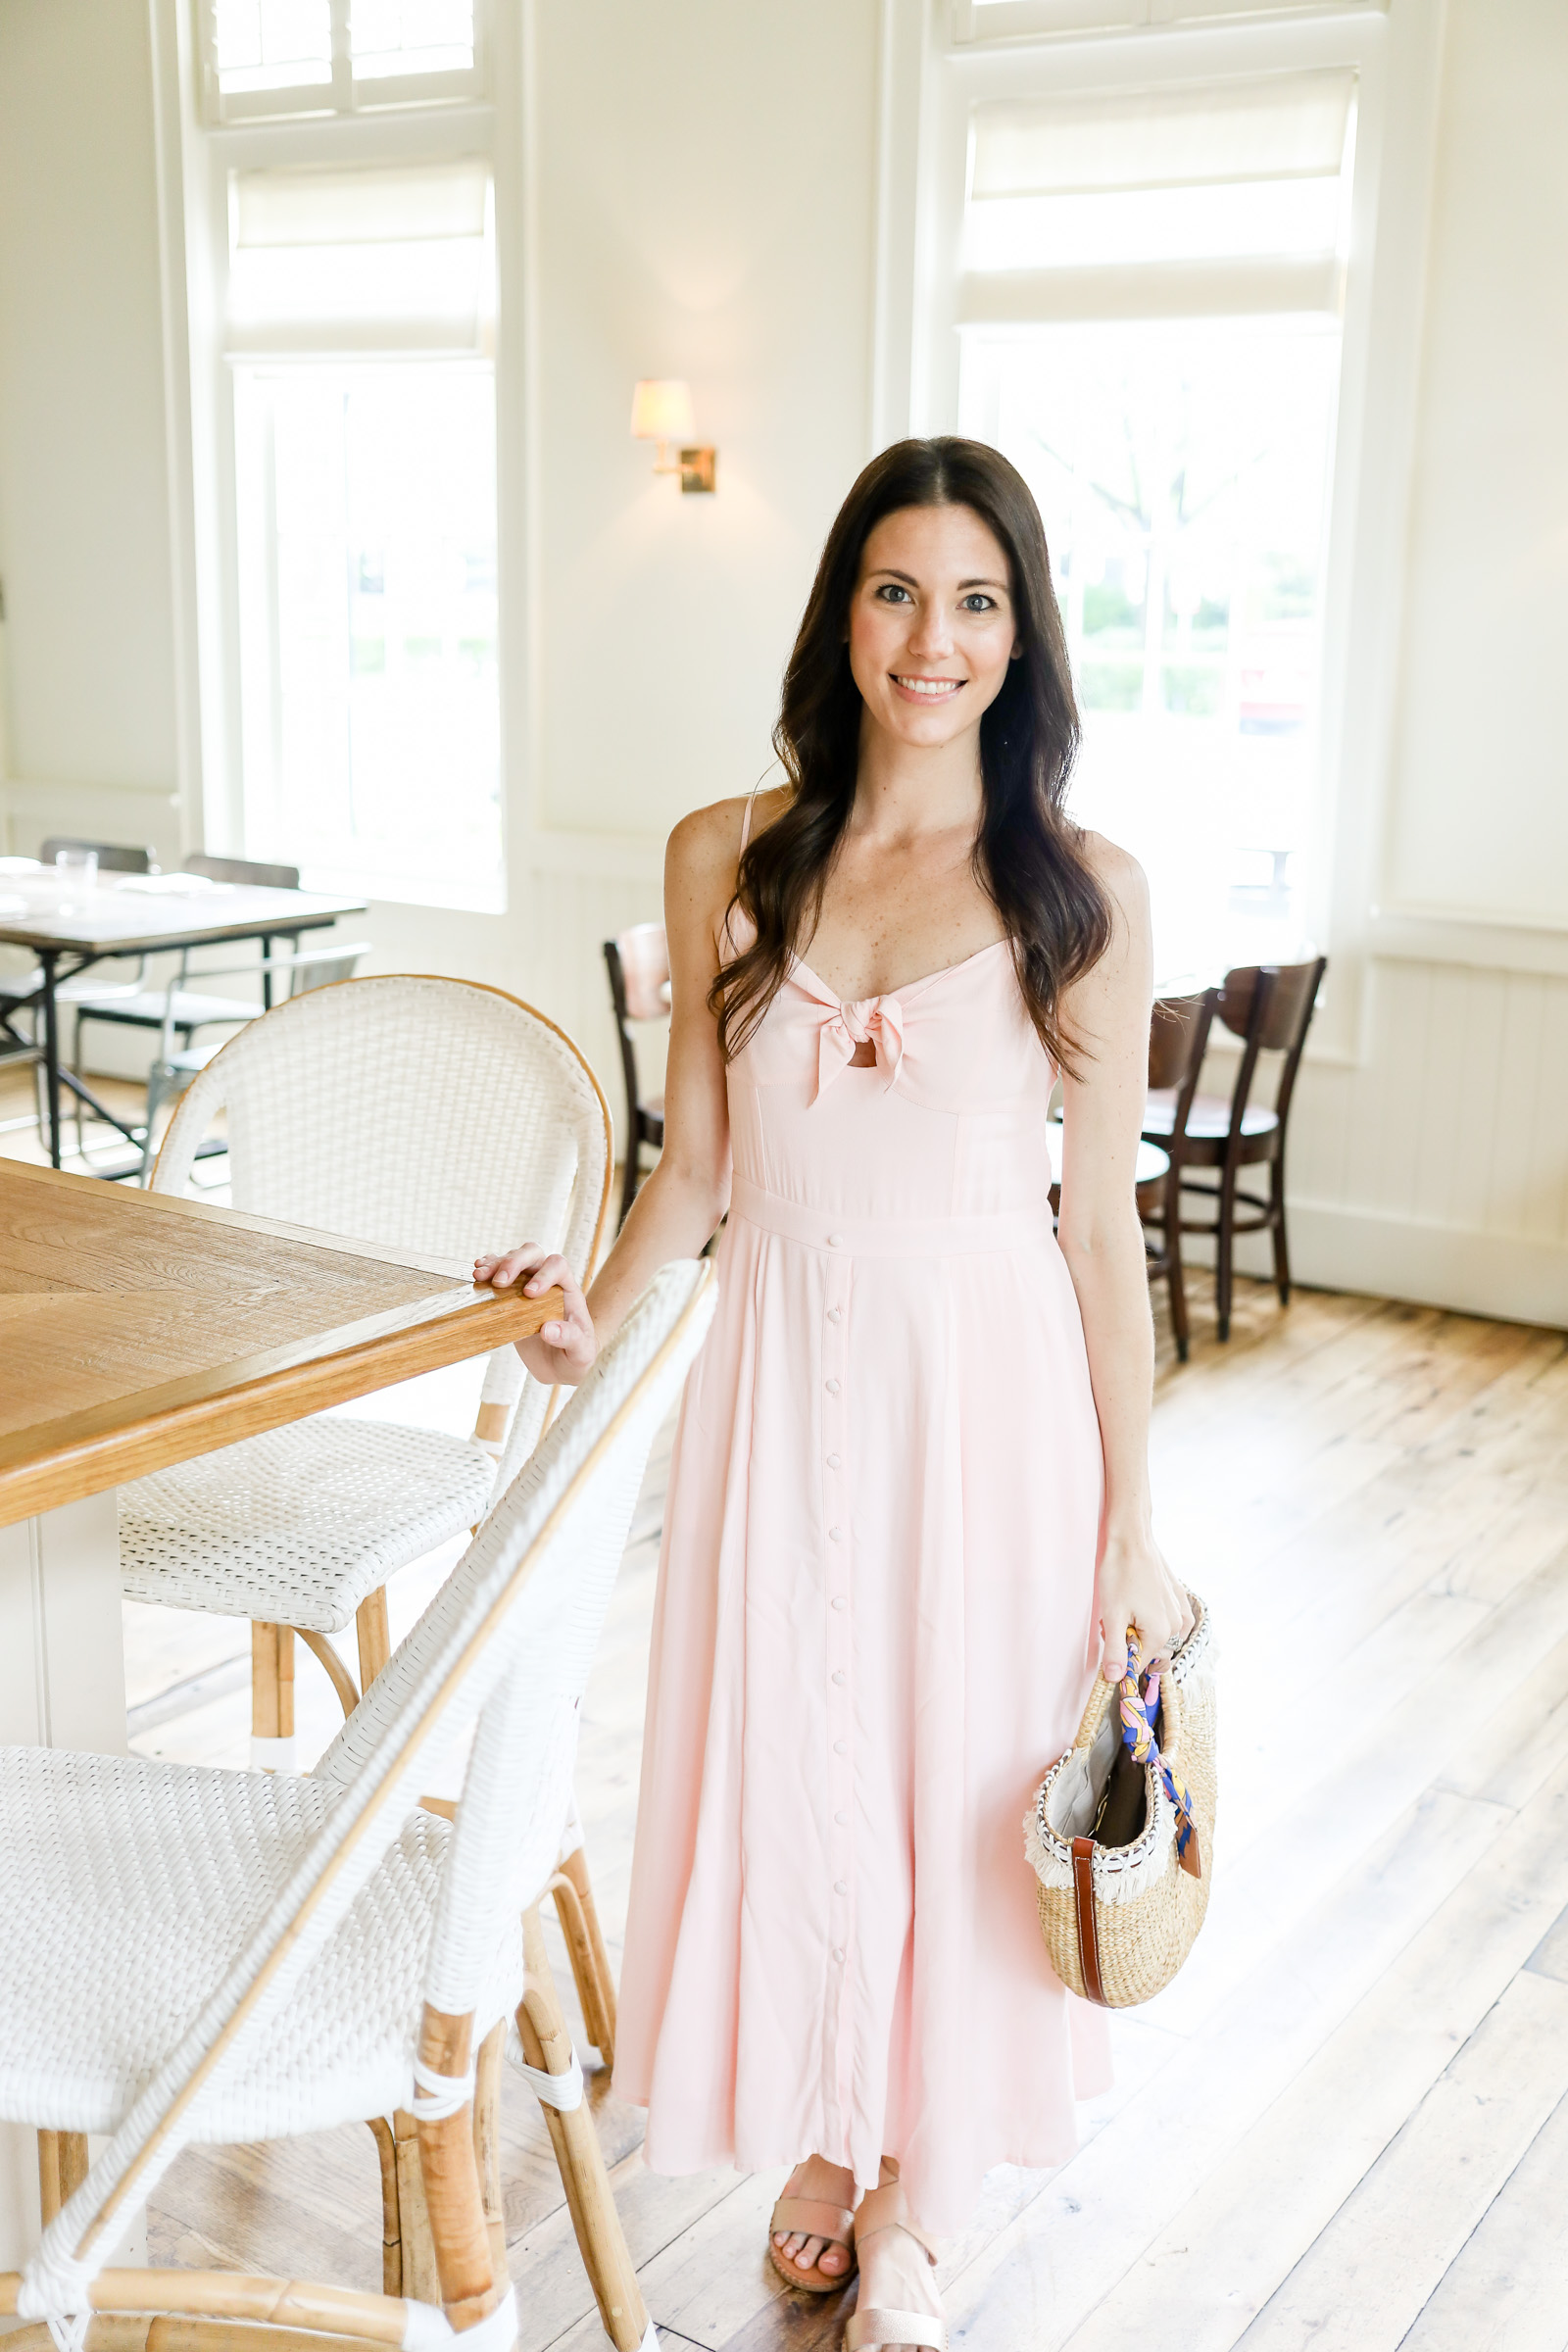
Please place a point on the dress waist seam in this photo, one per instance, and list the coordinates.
(995, 1232)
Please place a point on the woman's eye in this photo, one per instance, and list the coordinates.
(977, 600)
(892, 592)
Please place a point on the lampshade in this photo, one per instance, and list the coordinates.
(661, 410)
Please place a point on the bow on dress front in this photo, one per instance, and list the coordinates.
(873, 1020)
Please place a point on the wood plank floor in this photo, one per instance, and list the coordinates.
(1347, 2123)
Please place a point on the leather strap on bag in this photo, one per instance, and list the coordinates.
(1083, 1890)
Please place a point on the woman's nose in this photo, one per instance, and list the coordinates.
(931, 638)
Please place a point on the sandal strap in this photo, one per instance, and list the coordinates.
(888, 2208)
(804, 2217)
(865, 2330)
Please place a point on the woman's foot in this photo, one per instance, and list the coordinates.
(897, 2276)
(813, 2261)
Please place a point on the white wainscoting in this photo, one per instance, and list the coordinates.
(1434, 1167)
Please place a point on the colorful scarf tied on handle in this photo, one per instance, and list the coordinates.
(1138, 1709)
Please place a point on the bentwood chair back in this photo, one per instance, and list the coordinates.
(194, 1955)
(638, 964)
(424, 1115)
(1269, 1008)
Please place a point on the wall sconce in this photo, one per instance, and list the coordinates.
(662, 412)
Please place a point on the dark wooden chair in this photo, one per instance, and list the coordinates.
(1178, 1038)
(638, 964)
(1269, 1008)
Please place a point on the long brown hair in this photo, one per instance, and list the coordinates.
(1028, 856)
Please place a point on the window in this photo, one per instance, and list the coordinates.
(363, 407)
(1149, 315)
(263, 58)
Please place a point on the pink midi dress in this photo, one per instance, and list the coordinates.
(875, 1621)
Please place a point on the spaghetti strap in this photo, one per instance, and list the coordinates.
(746, 820)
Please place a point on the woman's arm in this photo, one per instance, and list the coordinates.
(677, 1210)
(1107, 1014)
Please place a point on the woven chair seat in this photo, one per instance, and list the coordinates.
(295, 1527)
(131, 1888)
(188, 1008)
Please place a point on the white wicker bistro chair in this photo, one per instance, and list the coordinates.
(195, 1956)
(426, 1114)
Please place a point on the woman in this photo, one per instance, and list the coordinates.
(919, 1421)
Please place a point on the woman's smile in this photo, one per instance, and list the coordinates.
(925, 690)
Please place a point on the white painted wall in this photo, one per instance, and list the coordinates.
(1438, 1167)
(83, 490)
(706, 184)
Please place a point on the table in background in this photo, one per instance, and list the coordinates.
(69, 926)
(137, 1329)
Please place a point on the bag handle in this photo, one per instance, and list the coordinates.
(1138, 1709)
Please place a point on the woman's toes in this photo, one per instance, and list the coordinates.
(833, 2260)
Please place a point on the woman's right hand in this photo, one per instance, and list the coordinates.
(562, 1350)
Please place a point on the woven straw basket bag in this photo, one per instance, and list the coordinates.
(1118, 1920)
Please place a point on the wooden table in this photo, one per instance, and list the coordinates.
(137, 1329)
(70, 927)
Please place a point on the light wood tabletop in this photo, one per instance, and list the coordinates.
(137, 1329)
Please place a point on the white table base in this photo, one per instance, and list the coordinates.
(62, 1685)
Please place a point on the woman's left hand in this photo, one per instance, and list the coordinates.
(1137, 1588)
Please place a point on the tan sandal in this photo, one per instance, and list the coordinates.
(881, 2209)
(806, 2217)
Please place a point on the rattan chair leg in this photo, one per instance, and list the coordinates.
(272, 1683)
(386, 2148)
(578, 1913)
(62, 2168)
(547, 2044)
(374, 1635)
(469, 2288)
(487, 2142)
(421, 2280)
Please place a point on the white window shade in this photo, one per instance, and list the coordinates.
(366, 259)
(1281, 126)
(1221, 198)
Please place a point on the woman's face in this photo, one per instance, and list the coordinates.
(931, 623)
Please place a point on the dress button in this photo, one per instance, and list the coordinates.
(839, 1601)
(839, 1679)
(839, 1749)
(835, 1241)
(842, 1820)
(832, 1461)
(838, 1955)
(832, 1387)
(837, 1534)
(834, 1316)
(841, 1886)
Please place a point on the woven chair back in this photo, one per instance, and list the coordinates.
(508, 1640)
(246, 870)
(417, 1113)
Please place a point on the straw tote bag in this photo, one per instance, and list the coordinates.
(1121, 1832)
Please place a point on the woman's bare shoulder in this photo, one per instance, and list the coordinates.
(1118, 874)
(705, 845)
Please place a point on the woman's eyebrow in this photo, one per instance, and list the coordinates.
(999, 585)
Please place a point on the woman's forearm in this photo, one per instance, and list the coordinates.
(1108, 1268)
(674, 1215)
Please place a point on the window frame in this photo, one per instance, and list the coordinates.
(342, 97)
(195, 159)
(936, 66)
